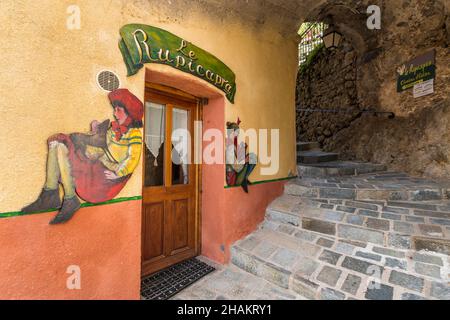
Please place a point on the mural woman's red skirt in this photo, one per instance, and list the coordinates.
(89, 175)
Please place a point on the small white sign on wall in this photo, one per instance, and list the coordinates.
(424, 88)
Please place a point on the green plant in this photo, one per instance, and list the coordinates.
(311, 58)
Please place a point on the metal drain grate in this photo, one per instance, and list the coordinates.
(168, 282)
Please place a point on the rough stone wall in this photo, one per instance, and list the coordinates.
(418, 144)
(413, 27)
(417, 141)
(329, 83)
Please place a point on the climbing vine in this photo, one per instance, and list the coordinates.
(311, 59)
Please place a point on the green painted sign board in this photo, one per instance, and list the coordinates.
(418, 70)
(142, 44)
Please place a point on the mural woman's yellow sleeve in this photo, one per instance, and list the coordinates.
(134, 154)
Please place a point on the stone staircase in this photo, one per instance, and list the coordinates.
(379, 235)
(312, 162)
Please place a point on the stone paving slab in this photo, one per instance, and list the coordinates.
(342, 191)
(383, 181)
(375, 216)
(377, 236)
(338, 277)
(363, 229)
(346, 271)
(231, 283)
(338, 168)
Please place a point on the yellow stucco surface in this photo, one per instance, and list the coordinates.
(47, 82)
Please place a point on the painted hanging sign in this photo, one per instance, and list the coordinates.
(416, 71)
(142, 44)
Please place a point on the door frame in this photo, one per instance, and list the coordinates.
(176, 94)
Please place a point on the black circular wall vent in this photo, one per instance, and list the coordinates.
(108, 80)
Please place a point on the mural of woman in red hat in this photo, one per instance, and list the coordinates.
(94, 166)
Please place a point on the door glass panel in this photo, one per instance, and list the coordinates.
(180, 147)
(155, 123)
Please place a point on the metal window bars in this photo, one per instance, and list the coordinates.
(310, 37)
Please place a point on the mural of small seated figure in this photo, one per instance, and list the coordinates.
(94, 166)
(239, 163)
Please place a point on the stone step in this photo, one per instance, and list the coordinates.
(364, 221)
(401, 216)
(366, 226)
(399, 207)
(338, 169)
(379, 180)
(363, 192)
(307, 146)
(318, 266)
(230, 282)
(382, 235)
(363, 229)
(314, 157)
(397, 210)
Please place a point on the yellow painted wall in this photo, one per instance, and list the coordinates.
(47, 82)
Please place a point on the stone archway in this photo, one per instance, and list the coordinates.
(416, 141)
(333, 86)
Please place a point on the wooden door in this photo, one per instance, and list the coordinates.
(170, 213)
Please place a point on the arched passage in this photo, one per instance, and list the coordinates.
(409, 142)
(331, 86)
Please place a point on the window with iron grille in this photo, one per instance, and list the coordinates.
(310, 37)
